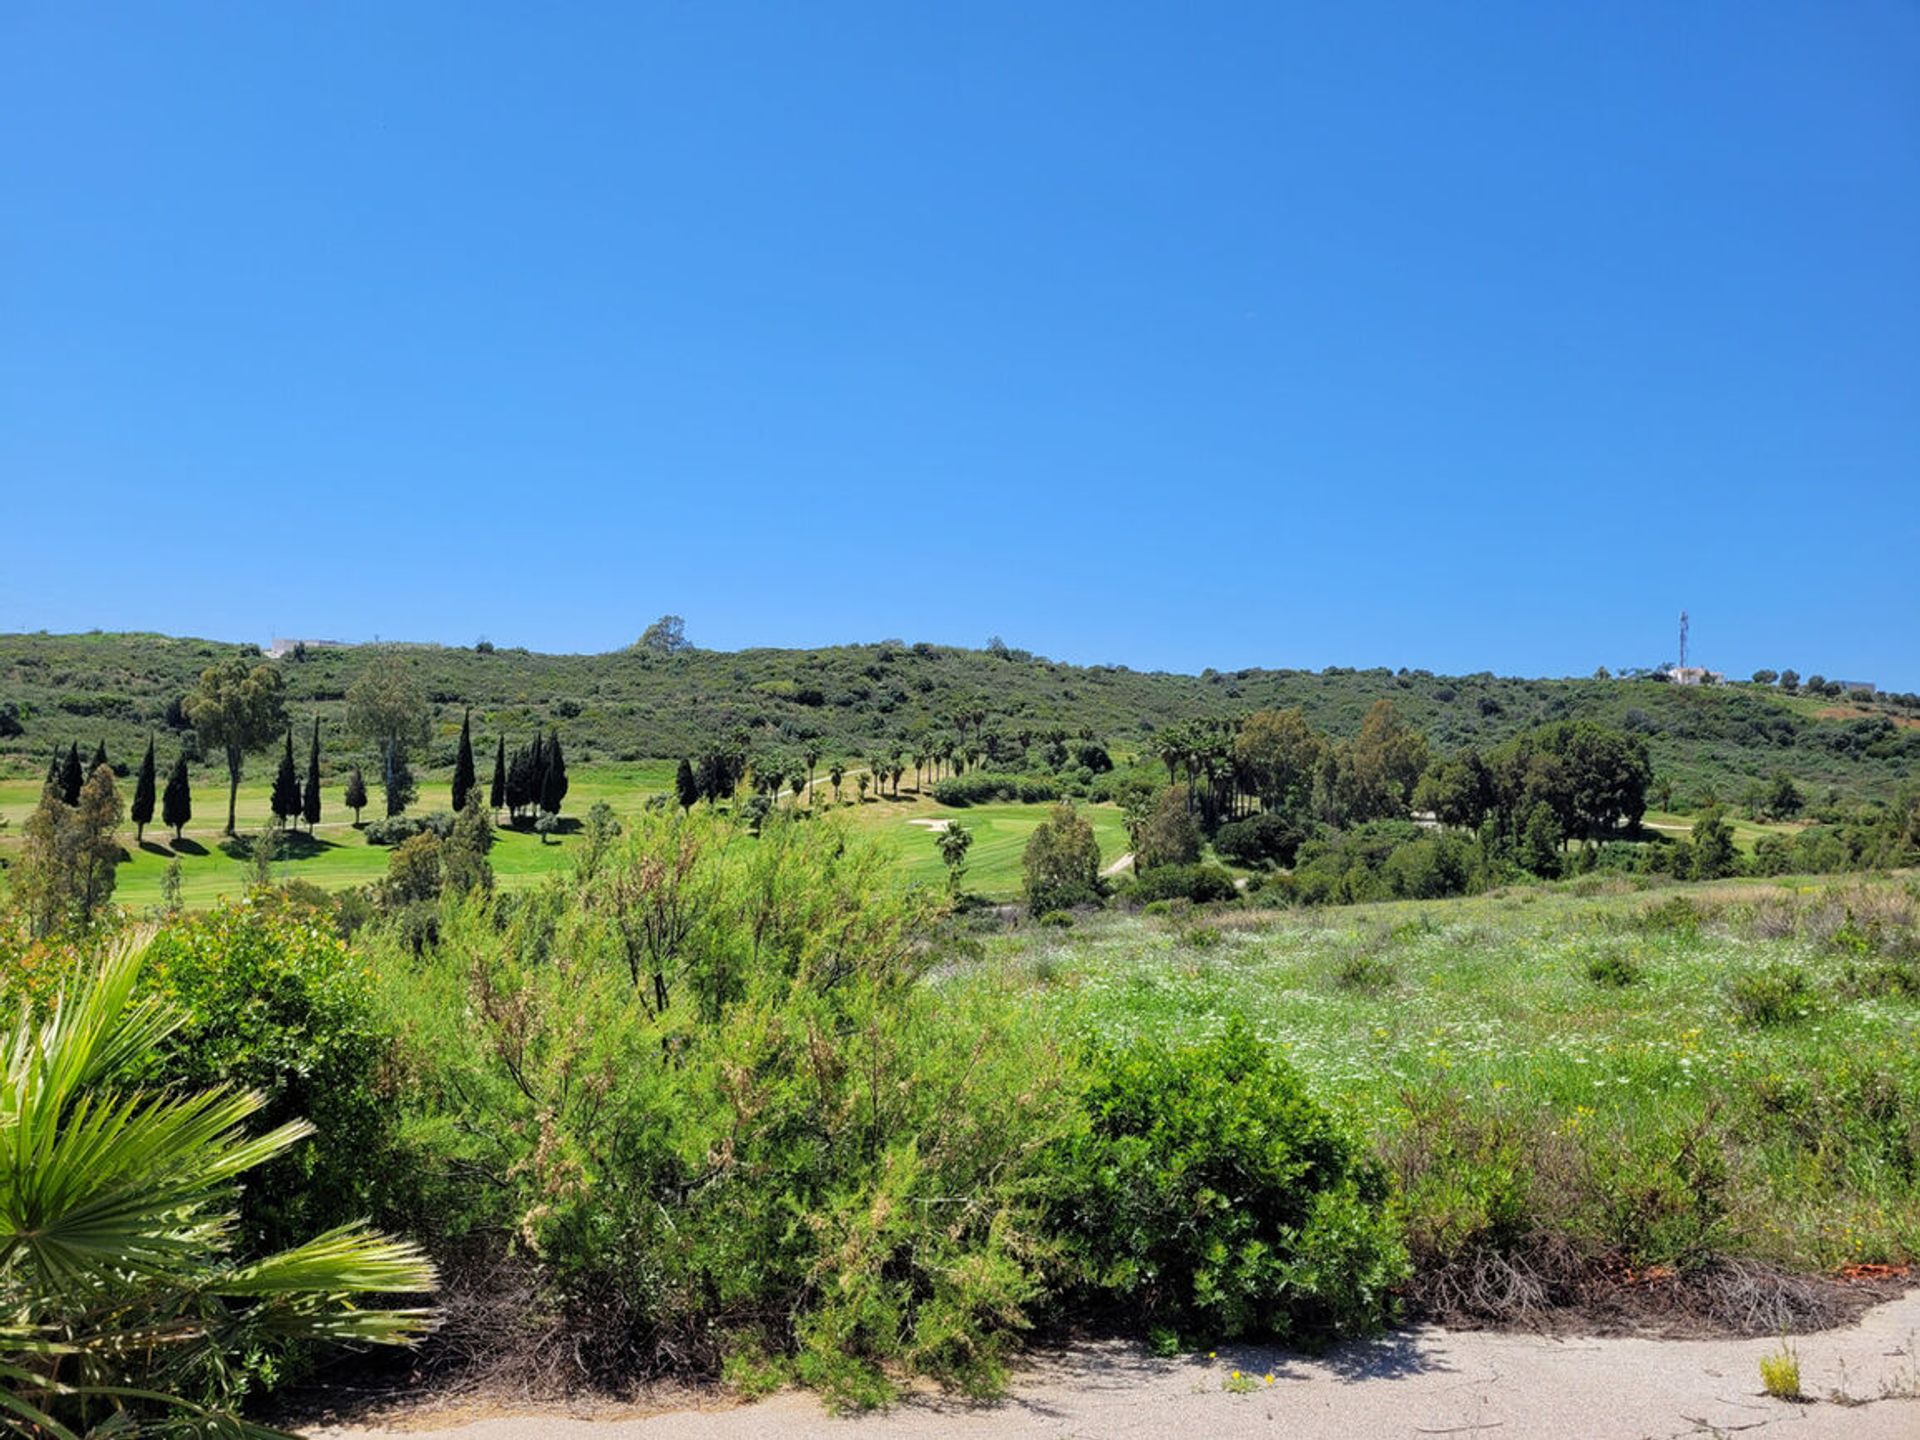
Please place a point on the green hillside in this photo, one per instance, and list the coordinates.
(631, 706)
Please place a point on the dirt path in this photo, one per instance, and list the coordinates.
(1423, 1382)
(1117, 866)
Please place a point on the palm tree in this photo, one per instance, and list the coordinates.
(836, 772)
(118, 1288)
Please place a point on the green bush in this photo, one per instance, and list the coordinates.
(1612, 968)
(983, 787)
(1211, 1194)
(1772, 995)
(397, 829)
(1259, 841)
(706, 1087)
(1198, 883)
(273, 1002)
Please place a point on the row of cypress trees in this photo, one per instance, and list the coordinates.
(67, 776)
(534, 778)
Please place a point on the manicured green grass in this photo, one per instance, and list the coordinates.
(1000, 834)
(337, 857)
(1745, 832)
(1494, 998)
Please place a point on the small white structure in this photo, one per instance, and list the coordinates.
(1695, 675)
(281, 647)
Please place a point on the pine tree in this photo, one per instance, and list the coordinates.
(310, 802)
(684, 785)
(356, 796)
(176, 805)
(553, 787)
(72, 777)
(498, 795)
(99, 758)
(463, 764)
(143, 796)
(53, 771)
(286, 786)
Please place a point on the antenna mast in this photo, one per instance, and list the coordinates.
(1683, 639)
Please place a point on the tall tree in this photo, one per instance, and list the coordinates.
(237, 710)
(553, 782)
(65, 871)
(310, 801)
(497, 795)
(144, 794)
(666, 636)
(463, 776)
(685, 788)
(176, 804)
(99, 757)
(386, 709)
(1388, 756)
(356, 796)
(72, 776)
(286, 786)
(954, 840)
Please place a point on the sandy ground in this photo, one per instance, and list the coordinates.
(1863, 1383)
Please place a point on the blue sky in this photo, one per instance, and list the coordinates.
(1456, 336)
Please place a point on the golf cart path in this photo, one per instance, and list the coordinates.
(1414, 1383)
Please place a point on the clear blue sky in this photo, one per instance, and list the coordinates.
(1458, 336)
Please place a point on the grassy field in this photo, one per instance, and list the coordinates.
(1815, 1111)
(1746, 833)
(336, 857)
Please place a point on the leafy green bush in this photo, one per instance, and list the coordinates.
(272, 1002)
(1211, 1194)
(397, 829)
(1266, 839)
(1772, 995)
(1198, 883)
(983, 787)
(1613, 968)
(706, 1088)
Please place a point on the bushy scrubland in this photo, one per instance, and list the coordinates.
(750, 1109)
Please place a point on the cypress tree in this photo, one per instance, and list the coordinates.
(286, 786)
(356, 796)
(72, 777)
(685, 787)
(53, 769)
(99, 758)
(537, 772)
(498, 796)
(553, 787)
(176, 805)
(143, 796)
(310, 802)
(463, 764)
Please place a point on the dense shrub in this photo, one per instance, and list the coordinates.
(1198, 883)
(710, 1088)
(1771, 995)
(1061, 865)
(273, 1002)
(1266, 839)
(983, 787)
(1211, 1195)
(397, 829)
(740, 1136)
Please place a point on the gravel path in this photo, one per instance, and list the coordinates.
(1416, 1383)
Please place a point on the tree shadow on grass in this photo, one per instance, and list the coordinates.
(289, 845)
(188, 847)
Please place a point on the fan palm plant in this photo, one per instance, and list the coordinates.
(121, 1303)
